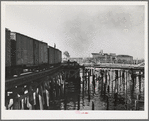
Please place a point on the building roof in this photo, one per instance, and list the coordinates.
(76, 58)
(96, 53)
(124, 56)
(113, 54)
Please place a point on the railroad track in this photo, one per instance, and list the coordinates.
(34, 76)
(16, 81)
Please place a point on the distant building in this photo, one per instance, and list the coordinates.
(126, 59)
(88, 60)
(138, 61)
(112, 58)
(104, 57)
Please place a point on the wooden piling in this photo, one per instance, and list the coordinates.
(65, 95)
(48, 98)
(78, 101)
(51, 90)
(47, 94)
(139, 85)
(25, 104)
(102, 78)
(40, 97)
(61, 87)
(92, 105)
(45, 99)
(83, 84)
(16, 101)
(112, 80)
(31, 99)
(37, 106)
(108, 102)
(93, 83)
(89, 87)
(126, 89)
(96, 77)
(108, 92)
(132, 84)
(7, 99)
(22, 101)
(56, 87)
(105, 84)
(116, 89)
(109, 83)
(79, 92)
(40, 102)
(116, 74)
(123, 81)
(121, 84)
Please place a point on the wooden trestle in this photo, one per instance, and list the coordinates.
(36, 91)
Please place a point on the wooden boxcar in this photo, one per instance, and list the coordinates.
(23, 52)
(51, 55)
(7, 52)
(56, 56)
(23, 49)
(43, 53)
(7, 48)
(59, 56)
(36, 52)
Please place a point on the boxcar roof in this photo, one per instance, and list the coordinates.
(28, 37)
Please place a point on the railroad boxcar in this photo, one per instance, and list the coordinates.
(36, 52)
(22, 52)
(24, 49)
(51, 55)
(56, 56)
(60, 56)
(43, 55)
(7, 53)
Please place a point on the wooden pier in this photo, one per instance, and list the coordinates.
(121, 87)
(37, 90)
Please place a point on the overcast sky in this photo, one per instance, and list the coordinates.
(82, 29)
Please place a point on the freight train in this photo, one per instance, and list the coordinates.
(23, 52)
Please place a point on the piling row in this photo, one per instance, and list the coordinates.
(41, 94)
(121, 89)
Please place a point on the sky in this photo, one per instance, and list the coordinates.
(82, 29)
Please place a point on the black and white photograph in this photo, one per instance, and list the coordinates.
(74, 60)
